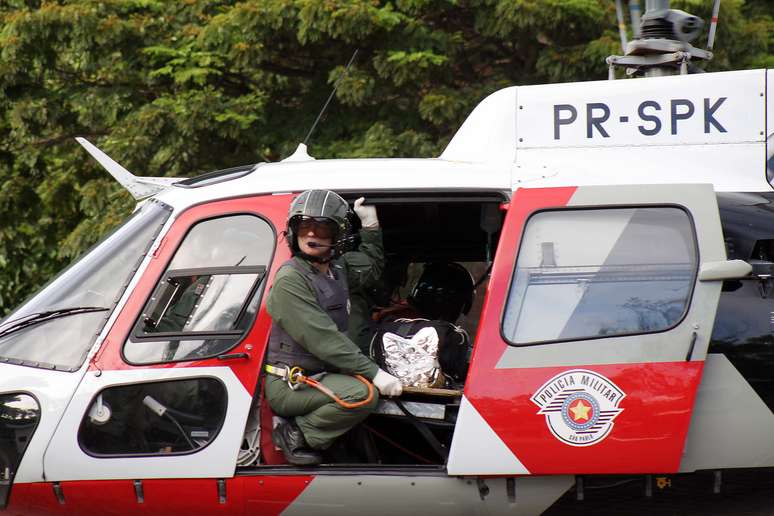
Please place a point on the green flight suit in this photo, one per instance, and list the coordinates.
(359, 327)
(293, 305)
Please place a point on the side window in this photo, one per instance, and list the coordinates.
(601, 272)
(160, 418)
(209, 294)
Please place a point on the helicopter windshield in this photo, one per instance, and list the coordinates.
(97, 279)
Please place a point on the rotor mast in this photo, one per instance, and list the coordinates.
(662, 43)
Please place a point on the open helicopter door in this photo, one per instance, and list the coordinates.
(594, 332)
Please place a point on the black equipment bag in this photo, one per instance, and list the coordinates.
(452, 353)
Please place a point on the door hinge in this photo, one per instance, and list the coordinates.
(139, 492)
(483, 489)
(58, 492)
(221, 490)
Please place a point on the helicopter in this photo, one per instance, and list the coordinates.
(622, 316)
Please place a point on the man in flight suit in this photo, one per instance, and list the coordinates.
(309, 305)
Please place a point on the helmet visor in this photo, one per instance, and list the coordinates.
(322, 227)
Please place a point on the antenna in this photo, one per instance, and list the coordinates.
(621, 24)
(335, 87)
(713, 25)
(634, 11)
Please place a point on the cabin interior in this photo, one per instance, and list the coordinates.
(460, 227)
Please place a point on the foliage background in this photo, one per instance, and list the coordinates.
(177, 88)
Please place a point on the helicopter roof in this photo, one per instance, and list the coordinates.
(350, 175)
(702, 128)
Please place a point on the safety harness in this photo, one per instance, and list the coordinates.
(333, 297)
(294, 377)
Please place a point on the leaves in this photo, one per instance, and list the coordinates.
(181, 88)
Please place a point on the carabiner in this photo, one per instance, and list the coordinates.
(294, 377)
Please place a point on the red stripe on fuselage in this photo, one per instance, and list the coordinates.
(264, 495)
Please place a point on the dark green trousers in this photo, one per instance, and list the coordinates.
(320, 418)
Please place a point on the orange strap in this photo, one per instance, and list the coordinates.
(299, 377)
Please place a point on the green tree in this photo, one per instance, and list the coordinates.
(180, 88)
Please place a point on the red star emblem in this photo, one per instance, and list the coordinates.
(580, 411)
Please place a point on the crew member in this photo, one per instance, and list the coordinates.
(309, 305)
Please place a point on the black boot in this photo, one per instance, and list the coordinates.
(289, 438)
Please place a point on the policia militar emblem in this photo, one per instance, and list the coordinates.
(579, 406)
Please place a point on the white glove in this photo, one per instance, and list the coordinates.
(387, 384)
(367, 215)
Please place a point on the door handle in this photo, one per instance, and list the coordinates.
(234, 356)
(723, 270)
(690, 348)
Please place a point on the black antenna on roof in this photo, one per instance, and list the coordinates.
(330, 97)
(634, 11)
(621, 25)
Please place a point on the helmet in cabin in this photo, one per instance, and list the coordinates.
(443, 291)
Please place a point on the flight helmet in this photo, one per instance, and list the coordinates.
(443, 291)
(327, 211)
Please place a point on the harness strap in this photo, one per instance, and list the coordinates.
(295, 376)
(282, 372)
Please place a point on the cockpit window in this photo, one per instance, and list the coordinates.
(209, 294)
(600, 273)
(57, 326)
